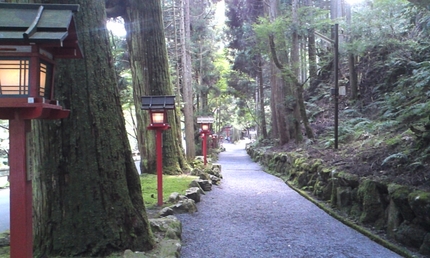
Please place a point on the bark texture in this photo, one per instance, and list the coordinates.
(149, 65)
(187, 88)
(88, 198)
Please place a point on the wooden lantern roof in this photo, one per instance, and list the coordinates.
(51, 26)
(158, 102)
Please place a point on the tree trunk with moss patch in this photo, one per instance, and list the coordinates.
(88, 198)
(149, 65)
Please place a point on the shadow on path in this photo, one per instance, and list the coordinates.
(254, 214)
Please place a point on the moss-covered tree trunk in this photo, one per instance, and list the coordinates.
(88, 199)
(150, 69)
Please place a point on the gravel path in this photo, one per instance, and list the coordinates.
(254, 214)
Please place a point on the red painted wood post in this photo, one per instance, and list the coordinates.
(204, 148)
(21, 197)
(159, 142)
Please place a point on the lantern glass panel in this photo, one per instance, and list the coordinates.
(205, 127)
(157, 117)
(45, 80)
(14, 76)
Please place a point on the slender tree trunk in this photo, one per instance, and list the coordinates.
(186, 82)
(88, 199)
(353, 80)
(299, 86)
(313, 82)
(262, 115)
(149, 64)
(295, 64)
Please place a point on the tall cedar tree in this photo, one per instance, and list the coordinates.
(150, 70)
(88, 198)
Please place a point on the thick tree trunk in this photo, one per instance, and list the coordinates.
(88, 199)
(278, 105)
(149, 65)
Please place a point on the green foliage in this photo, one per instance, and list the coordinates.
(366, 31)
(397, 156)
(122, 67)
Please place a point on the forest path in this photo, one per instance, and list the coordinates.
(254, 214)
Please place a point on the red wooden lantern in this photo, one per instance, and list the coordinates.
(31, 37)
(204, 131)
(157, 106)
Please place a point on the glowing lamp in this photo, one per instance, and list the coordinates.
(157, 106)
(205, 128)
(158, 117)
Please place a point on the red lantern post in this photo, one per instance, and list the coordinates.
(205, 131)
(30, 40)
(157, 106)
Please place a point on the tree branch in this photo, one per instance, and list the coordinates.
(273, 53)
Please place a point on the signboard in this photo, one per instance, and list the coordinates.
(205, 120)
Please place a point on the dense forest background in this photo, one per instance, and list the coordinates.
(270, 68)
(264, 66)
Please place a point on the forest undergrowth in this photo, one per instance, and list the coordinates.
(385, 133)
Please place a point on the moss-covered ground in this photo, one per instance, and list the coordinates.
(171, 184)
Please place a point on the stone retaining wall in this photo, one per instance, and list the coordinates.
(403, 213)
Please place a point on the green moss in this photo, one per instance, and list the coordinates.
(373, 209)
(171, 184)
(399, 195)
(348, 179)
(420, 204)
(172, 170)
(355, 211)
(392, 141)
(298, 162)
(301, 179)
(316, 165)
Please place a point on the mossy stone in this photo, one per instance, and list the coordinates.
(356, 210)
(343, 196)
(400, 196)
(420, 205)
(301, 179)
(394, 219)
(425, 247)
(318, 188)
(348, 179)
(410, 234)
(325, 174)
(372, 204)
(316, 166)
